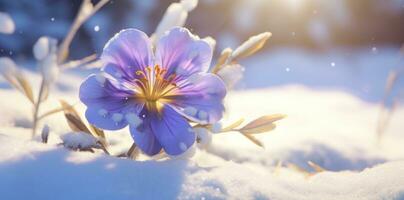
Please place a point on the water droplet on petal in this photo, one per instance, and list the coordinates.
(202, 115)
(102, 112)
(101, 79)
(133, 119)
(117, 117)
(191, 111)
(183, 146)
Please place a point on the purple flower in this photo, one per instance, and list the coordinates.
(157, 93)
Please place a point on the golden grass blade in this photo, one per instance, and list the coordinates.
(224, 56)
(299, 169)
(13, 82)
(73, 118)
(69, 108)
(232, 126)
(54, 111)
(259, 129)
(262, 124)
(81, 62)
(133, 152)
(254, 140)
(316, 167)
(76, 124)
(100, 134)
(26, 87)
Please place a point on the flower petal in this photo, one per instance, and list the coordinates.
(200, 98)
(144, 137)
(183, 53)
(128, 51)
(172, 131)
(107, 102)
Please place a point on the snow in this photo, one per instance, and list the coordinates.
(79, 140)
(333, 128)
(7, 25)
(189, 5)
(41, 48)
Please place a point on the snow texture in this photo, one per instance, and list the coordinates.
(332, 128)
(79, 140)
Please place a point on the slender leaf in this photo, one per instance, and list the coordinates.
(76, 124)
(316, 167)
(232, 126)
(26, 87)
(69, 108)
(262, 124)
(133, 152)
(254, 140)
(100, 134)
(224, 56)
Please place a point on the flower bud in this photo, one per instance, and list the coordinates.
(7, 25)
(41, 48)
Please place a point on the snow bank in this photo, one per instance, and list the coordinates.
(333, 129)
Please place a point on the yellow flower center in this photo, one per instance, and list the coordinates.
(154, 88)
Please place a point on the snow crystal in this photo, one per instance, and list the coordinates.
(96, 28)
(374, 50)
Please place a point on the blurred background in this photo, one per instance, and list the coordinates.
(326, 44)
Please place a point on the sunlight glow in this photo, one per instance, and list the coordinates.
(294, 4)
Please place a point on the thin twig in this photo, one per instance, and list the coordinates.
(54, 111)
(37, 105)
(81, 17)
(80, 62)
